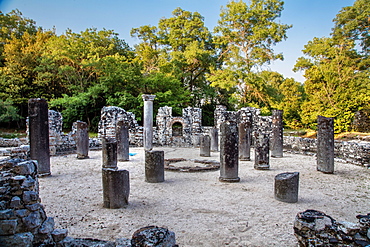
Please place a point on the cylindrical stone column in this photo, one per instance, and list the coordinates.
(82, 142)
(277, 134)
(229, 162)
(325, 144)
(148, 121)
(244, 141)
(116, 187)
(214, 139)
(39, 134)
(154, 166)
(205, 146)
(122, 136)
(286, 187)
(261, 151)
(109, 153)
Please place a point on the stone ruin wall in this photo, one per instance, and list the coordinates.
(60, 143)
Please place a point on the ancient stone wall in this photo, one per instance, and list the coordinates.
(189, 133)
(110, 115)
(350, 152)
(23, 221)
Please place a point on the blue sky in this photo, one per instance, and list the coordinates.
(310, 18)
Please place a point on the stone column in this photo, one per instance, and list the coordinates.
(109, 153)
(286, 187)
(229, 162)
(205, 146)
(214, 139)
(244, 141)
(277, 134)
(82, 142)
(325, 144)
(122, 136)
(261, 151)
(148, 121)
(154, 166)
(116, 187)
(39, 134)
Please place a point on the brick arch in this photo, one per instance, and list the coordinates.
(177, 120)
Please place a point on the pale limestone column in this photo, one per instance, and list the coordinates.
(148, 121)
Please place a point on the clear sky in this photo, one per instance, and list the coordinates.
(310, 18)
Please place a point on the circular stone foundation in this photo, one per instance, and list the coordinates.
(190, 165)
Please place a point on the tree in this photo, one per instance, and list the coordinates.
(245, 35)
(14, 25)
(180, 46)
(19, 77)
(335, 84)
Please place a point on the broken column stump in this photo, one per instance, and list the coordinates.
(122, 137)
(261, 151)
(116, 187)
(205, 146)
(154, 166)
(277, 134)
(244, 141)
(214, 139)
(229, 152)
(325, 144)
(82, 142)
(109, 153)
(286, 187)
(39, 134)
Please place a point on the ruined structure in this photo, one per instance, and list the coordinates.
(315, 228)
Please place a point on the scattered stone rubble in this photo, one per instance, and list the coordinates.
(24, 223)
(315, 228)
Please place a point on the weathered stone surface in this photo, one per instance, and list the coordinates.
(30, 196)
(82, 140)
(39, 134)
(315, 228)
(116, 187)
(47, 226)
(85, 242)
(151, 236)
(109, 153)
(7, 227)
(245, 141)
(154, 166)
(59, 234)
(205, 146)
(286, 187)
(25, 168)
(261, 151)
(229, 152)
(19, 240)
(276, 143)
(214, 139)
(325, 144)
(122, 136)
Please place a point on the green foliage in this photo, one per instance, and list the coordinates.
(8, 112)
(245, 36)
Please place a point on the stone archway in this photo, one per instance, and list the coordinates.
(177, 129)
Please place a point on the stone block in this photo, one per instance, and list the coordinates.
(7, 227)
(19, 240)
(153, 236)
(6, 214)
(30, 196)
(59, 234)
(47, 226)
(25, 168)
(15, 202)
(33, 220)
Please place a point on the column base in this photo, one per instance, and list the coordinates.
(229, 180)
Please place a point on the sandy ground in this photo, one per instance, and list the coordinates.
(201, 210)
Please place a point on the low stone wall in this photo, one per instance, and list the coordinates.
(15, 142)
(24, 223)
(349, 152)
